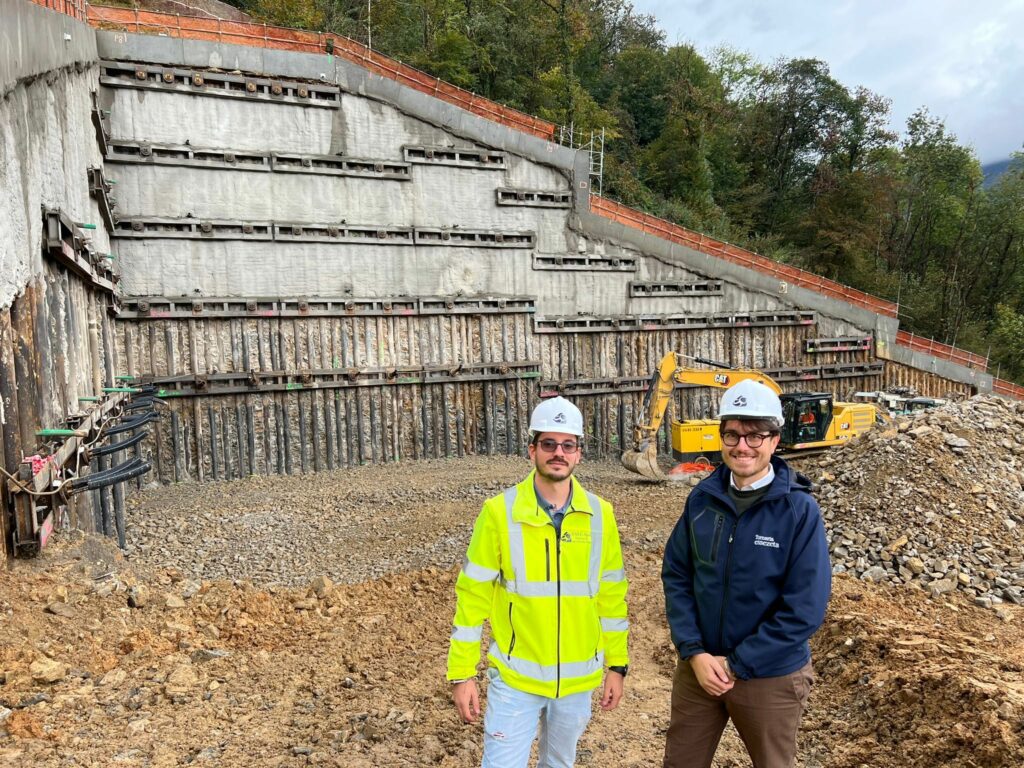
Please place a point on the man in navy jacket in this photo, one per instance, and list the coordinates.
(747, 579)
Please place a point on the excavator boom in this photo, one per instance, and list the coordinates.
(673, 369)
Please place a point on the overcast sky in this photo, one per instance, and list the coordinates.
(963, 59)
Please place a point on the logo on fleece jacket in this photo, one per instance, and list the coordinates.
(765, 541)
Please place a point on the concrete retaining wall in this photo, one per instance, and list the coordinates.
(48, 143)
(284, 341)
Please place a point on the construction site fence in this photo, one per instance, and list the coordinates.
(1008, 388)
(286, 39)
(666, 230)
(72, 8)
(940, 350)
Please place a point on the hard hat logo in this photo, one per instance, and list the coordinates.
(751, 400)
(556, 415)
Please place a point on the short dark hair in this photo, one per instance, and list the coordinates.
(760, 425)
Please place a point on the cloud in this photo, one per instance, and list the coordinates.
(962, 60)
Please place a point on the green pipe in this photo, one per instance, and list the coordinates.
(56, 433)
(89, 399)
(86, 226)
(121, 389)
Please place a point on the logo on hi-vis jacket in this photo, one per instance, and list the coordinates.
(577, 536)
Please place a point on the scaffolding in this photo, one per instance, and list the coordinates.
(592, 143)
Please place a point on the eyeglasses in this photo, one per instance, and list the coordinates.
(753, 439)
(550, 446)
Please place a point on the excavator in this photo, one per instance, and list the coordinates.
(813, 420)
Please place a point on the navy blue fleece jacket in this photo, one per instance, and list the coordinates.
(751, 587)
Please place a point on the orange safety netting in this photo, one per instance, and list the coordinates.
(709, 245)
(282, 38)
(938, 349)
(1008, 388)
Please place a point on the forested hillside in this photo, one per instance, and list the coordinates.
(777, 156)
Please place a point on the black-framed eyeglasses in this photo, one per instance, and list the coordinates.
(550, 446)
(753, 439)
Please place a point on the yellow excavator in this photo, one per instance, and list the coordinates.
(813, 420)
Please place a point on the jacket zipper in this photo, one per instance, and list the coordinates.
(716, 539)
(725, 594)
(547, 558)
(558, 609)
(512, 642)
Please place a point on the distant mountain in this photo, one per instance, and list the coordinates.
(994, 170)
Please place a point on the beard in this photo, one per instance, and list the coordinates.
(554, 473)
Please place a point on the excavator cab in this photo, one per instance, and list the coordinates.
(814, 421)
(807, 415)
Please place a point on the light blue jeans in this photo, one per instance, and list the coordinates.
(510, 724)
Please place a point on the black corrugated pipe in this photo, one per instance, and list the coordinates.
(128, 426)
(115, 447)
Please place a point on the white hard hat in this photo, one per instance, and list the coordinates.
(751, 400)
(556, 415)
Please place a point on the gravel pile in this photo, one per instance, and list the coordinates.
(933, 501)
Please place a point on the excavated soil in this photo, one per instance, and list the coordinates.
(312, 630)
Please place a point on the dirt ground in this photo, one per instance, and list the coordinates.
(146, 661)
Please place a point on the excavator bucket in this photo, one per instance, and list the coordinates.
(644, 463)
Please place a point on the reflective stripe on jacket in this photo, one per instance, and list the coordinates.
(556, 606)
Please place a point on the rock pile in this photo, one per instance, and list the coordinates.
(934, 501)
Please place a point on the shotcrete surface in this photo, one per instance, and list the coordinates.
(46, 146)
(304, 621)
(434, 197)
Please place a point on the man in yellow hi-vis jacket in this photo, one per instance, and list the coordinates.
(544, 567)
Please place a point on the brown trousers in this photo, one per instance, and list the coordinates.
(765, 711)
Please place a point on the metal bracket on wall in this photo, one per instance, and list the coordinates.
(834, 371)
(534, 198)
(342, 233)
(182, 155)
(312, 232)
(650, 290)
(333, 165)
(99, 188)
(101, 122)
(849, 370)
(620, 385)
(141, 152)
(204, 82)
(161, 308)
(464, 157)
(473, 238)
(203, 229)
(583, 262)
(65, 243)
(254, 381)
(584, 324)
(839, 344)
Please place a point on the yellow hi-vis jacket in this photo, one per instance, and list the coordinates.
(556, 606)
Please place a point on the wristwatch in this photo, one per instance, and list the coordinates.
(623, 670)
